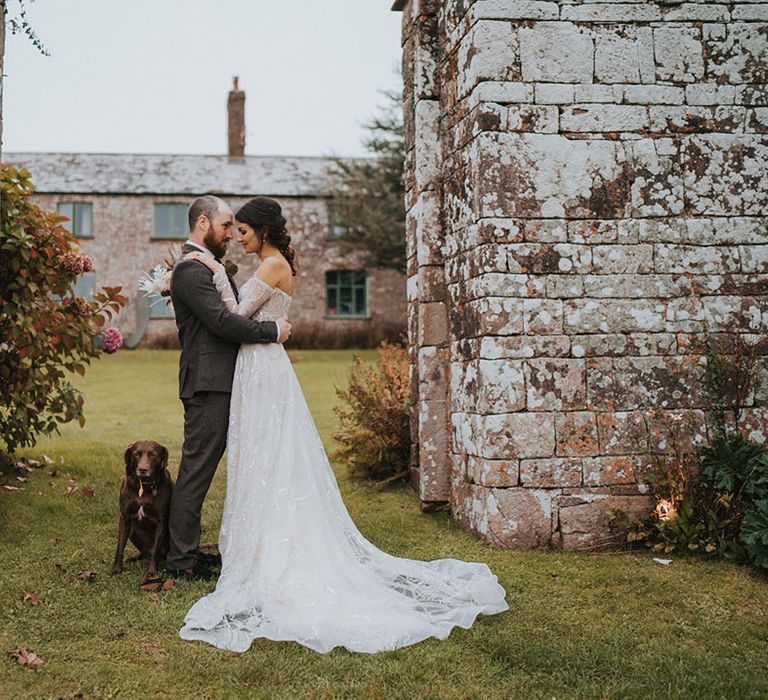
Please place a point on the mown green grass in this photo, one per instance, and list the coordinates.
(591, 626)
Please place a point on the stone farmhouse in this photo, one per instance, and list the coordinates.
(128, 210)
(587, 193)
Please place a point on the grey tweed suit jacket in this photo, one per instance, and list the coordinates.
(210, 335)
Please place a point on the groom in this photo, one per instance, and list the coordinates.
(210, 337)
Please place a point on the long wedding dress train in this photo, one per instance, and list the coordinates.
(294, 566)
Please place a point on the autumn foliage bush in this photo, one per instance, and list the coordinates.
(46, 330)
(374, 438)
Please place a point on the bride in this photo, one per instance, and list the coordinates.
(294, 566)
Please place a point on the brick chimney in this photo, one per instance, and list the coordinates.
(236, 119)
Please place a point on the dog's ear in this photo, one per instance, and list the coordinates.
(163, 456)
(130, 467)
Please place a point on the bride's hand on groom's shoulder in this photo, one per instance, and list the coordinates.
(207, 260)
(285, 329)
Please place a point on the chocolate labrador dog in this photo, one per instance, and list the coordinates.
(145, 500)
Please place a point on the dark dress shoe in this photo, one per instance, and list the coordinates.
(209, 559)
(197, 572)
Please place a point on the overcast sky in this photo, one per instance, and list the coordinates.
(152, 76)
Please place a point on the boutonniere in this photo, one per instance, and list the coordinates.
(230, 268)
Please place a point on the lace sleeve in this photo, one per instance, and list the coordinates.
(254, 296)
(223, 287)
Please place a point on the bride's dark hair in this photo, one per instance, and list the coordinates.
(264, 216)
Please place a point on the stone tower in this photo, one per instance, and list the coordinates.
(587, 190)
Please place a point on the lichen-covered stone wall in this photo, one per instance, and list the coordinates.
(587, 191)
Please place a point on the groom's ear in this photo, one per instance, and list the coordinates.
(128, 457)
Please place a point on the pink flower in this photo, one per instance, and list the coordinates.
(111, 340)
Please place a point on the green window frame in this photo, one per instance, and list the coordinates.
(346, 293)
(170, 222)
(80, 215)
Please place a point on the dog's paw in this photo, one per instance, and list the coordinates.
(116, 569)
(150, 581)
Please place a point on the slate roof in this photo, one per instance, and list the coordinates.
(107, 173)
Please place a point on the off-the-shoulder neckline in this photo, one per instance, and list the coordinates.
(274, 289)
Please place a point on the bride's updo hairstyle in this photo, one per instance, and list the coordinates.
(264, 216)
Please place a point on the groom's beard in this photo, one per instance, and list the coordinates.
(218, 248)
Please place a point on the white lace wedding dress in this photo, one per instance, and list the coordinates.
(294, 566)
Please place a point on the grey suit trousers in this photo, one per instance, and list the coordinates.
(206, 419)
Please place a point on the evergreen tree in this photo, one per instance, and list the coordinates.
(367, 210)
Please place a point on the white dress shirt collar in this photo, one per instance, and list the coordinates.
(200, 248)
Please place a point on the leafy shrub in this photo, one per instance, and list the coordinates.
(729, 378)
(353, 334)
(45, 328)
(735, 469)
(714, 501)
(676, 523)
(374, 440)
(754, 533)
(166, 340)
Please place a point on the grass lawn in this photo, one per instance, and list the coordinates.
(592, 626)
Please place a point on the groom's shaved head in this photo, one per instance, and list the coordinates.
(208, 206)
(215, 230)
